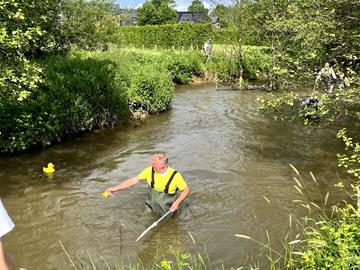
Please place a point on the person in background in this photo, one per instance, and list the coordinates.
(6, 225)
(207, 49)
(328, 77)
(163, 184)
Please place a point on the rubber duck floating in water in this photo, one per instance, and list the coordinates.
(107, 194)
(49, 169)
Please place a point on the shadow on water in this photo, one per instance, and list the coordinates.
(230, 156)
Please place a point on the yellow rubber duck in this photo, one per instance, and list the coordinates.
(49, 169)
(106, 194)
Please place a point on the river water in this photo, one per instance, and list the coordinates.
(230, 156)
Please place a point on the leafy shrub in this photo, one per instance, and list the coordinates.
(183, 66)
(284, 106)
(256, 62)
(77, 94)
(333, 244)
(88, 90)
(228, 64)
(225, 68)
(150, 90)
(225, 36)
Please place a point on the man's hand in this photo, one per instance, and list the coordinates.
(179, 200)
(174, 207)
(110, 191)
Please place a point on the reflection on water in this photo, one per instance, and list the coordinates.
(230, 156)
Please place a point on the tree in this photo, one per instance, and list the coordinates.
(156, 12)
(85, 23)
(30, 29)
(302, 35)
(197, 6)
(166, 15)
(158, 3)
(146, 14)
(25, 28)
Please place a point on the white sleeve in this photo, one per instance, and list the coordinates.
(333, 74)
(6, 224)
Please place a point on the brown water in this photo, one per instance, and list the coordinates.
(230, 156)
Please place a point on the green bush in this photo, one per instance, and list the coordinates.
(177, 35)
(150, 90)
(256, 62)
(77, 94)
(183, 66)
(226, 63)
(88, 90)
(224, 68)
(94, 81)
(225, 36)
(334, 244)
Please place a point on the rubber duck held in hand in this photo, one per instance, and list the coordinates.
(49, 169)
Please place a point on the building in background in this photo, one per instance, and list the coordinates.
(192, 17)
(127, 17)
(215, 22)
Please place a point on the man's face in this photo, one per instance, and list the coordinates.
(157, 163)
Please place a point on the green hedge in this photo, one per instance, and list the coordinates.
(163, 36)
(225, 36)
(174, 35)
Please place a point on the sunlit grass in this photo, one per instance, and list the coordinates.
(323, 239)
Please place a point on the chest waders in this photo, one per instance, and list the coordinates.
(328, 79)
(159, 202)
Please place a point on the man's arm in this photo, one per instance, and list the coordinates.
(5, 261)
(123, 185)
(179, 200)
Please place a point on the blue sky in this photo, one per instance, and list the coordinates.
(181, 5)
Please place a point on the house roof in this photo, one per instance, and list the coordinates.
(193, 17)
(130, 12)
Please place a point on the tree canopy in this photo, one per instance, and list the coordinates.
(156, 12)
(197, 6)
(225, 15)
(30, 29)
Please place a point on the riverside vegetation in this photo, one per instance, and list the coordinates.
(48, 85)
(84, 90)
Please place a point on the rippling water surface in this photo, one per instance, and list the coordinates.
(230, 156)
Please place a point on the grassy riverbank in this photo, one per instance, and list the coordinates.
(82, 91)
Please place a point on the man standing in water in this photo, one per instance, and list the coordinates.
(6, 225)
(163, 184)
(328, 76)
